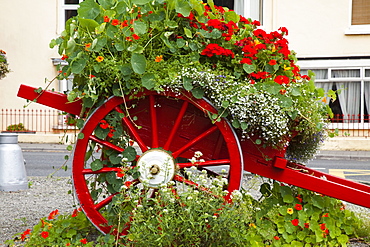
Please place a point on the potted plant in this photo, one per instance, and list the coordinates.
(18, 128)
(250, 75)
(4, 69)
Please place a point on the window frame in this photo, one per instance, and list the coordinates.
(339, 64)
(62, 15)
(356, 29)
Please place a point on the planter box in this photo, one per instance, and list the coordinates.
(19, 132)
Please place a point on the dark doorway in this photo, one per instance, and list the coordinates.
(225, 3)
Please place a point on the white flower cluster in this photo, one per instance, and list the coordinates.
(256, 111)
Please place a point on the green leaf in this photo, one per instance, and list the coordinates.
(119, 46)
(288, 198)
(140, 27)
(115, 159)
(198, 92)
(183, 7)
(71, 96)
(129, 153)
(187, 82)
(141, 2)
(296, 92)
(96, 165)
(101, 133)
(243, 125)
(69, 147)
(249, 68)
(235, 123)
(126, 69)
(78, 65)
(258, 141)
(107, 4)
(88, 9)
(180, 43)
(232, 16)
(80, 136)
(148, 80)
(138, 63)
(89, 24)
(188, 33)
(98, 43)
(71, 233)
(71, 44)
(99, 29)
(170, 24)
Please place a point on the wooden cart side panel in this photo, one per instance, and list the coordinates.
(52, 99)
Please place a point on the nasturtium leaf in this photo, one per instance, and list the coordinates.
(119, 46)
(106, 4)
(89, 24)
(258, 142)
(88, 9)
(101, 133)
(183, 7)
(78, 65)
(225, 104)
(180, 43)
(96, 165)
(69, 148)
(231, 16)
(141, 2)
(126, 69)
(296, 91)
(198, 92)
(111, 31)
(188, 32)
(148, 80)
(288, 198)
(198, 6)
(170, 24)
(115, 159)
(99, 29)
(98, 43)
(129, 153)
(71, 233)
(80, 136)
(243, 125)
(140, 27)
(71, 44)
(216, 34)
(138, 63)
(249, 68)
(187, 83)
(235, 123)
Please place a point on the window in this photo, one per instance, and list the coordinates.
(360, 17)
(68, 9)
(247, 8)
(353, 101)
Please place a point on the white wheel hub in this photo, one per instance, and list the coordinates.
(156, 167)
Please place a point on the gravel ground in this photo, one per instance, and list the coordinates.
(23, 209)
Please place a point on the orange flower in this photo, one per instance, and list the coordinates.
(282, 91)
(120, 173)
(53, 214)
(106, 19)
(87, 46)
(91, 76)
(64, 57)
(135, 36)
(115, 22)
(290, 210)
(128, 39)
(298, 207)
(75, 213)
(128, 184)
(295, 222)
(276, 237)
(324, 100)
(44, 234)
(158, 58)
(83, 241)
(99, 58)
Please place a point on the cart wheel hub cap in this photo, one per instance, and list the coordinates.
(156, 167)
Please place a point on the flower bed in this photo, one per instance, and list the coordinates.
(121, 47)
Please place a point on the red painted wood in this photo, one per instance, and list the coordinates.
(52, 99)
(182, 127)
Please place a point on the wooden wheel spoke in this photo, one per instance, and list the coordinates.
(104, 202)
(153, 115)
(103, 170)
(205, 163)
(176, 125)
(106, 144)
(195, 140)
(135, 134)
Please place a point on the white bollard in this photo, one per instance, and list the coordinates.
(12, 170)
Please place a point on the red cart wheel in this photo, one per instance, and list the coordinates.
(167, 127)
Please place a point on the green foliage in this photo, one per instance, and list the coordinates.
(120, 46)
(4, 68)
(58, 230)
(16, 127)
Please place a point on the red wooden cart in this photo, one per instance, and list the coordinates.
(171, 125)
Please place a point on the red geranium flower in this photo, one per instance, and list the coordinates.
(83, 241)
(281, 79)
(44, 234)
(272, 62)
(115, 22)
(53, 214)
(298, 207)
(295, 222)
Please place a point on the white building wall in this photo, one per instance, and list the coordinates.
(26, 28)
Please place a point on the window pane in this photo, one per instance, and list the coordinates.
(345, 73)
(360, 12)
(225, 3)
(367, 72)
(71, 1)
(70, 13)
(320, 73)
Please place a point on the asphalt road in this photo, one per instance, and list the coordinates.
(44, 163)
